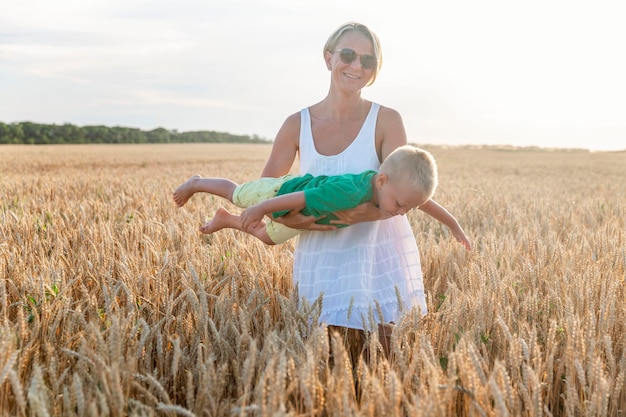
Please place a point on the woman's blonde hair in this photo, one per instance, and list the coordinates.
(333, 40)
(413, 167)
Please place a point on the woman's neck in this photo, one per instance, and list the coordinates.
(339, 107)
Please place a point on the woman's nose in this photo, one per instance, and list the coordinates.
(356, 63)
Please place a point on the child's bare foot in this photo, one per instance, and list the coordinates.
(222, 219)
(186, 190)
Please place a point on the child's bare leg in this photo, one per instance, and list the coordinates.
(223, 219)
(221, 187)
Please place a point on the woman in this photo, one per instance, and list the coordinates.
(370, 272)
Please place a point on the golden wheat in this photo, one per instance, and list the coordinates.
(112, 303)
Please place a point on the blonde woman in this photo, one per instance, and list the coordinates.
(359, 270)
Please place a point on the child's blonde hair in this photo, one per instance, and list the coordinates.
(413, 167)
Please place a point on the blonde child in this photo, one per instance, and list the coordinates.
(406, 179)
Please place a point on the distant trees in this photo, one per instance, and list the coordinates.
(36, 133)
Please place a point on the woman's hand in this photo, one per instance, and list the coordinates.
(364, 212)
(296, 220)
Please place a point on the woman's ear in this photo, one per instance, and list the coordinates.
(328, 56)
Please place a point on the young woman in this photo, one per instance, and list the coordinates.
(369, 273)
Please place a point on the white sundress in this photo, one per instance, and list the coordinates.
(360, 270)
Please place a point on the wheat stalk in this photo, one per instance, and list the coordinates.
(112, 302)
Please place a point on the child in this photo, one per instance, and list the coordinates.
(405, 180)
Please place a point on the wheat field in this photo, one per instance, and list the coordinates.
(113, 304)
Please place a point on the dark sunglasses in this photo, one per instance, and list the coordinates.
(348, 56)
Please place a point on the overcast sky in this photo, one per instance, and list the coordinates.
(547, 73)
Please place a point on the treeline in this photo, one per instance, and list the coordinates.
(46, 134)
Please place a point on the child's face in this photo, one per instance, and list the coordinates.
(394, 197)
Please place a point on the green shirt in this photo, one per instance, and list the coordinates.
(326, 194)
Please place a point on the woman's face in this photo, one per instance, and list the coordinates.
(351, 75)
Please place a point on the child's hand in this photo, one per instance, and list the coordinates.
(460, 237)
(251, 217)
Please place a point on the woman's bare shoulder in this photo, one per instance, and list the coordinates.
(388, 114)
(293, 119)
(290, 130)
(390, 132)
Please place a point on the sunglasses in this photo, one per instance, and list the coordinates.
(348, 56)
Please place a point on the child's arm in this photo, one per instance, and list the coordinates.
(437, 211)
(254, 214)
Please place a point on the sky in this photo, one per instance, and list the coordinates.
(542, 73)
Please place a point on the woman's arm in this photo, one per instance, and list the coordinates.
(438, 212)
(390, 133)
(285, 148)
(364, 212)
(279, 163)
